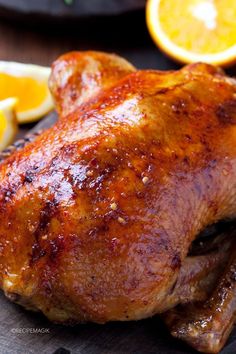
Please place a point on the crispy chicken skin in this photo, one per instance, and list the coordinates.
(97, 215)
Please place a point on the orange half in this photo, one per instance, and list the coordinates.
(194, 30)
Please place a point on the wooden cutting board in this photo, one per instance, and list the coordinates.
(25, 332)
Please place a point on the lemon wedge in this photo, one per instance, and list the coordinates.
(29, 83)
(194, 30)
(8, 122)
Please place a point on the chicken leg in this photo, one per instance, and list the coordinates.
(206, 326)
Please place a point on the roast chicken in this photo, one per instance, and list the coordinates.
(100, 215)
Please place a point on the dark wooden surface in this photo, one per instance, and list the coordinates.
(61, 9)
(41, 43)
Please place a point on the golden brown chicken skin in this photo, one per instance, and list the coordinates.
(98, 214)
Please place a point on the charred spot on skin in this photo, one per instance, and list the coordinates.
(66, 151)
(30, 174)
(54, 162)
(213, 163)
(93, 233)
(46, 285)
(37, 253)
(134, 283)
(113, 244)
(214, 206)
(94, 162)
(174, 156)
(162, 91)
(186, 160)
(98, 181)
(180, 107)
(176, 262)
(77, 180)
(8, 195)
(73, 93)
(188, 137)
(140, 194)
(226, 112)
(56, 246)
(45, 216)
(28, 178)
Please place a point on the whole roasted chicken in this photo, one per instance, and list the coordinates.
(100, 214)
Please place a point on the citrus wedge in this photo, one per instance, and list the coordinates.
(194, 30)
(8, 122)
(29, 83)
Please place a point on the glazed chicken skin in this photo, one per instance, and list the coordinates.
(98, 213)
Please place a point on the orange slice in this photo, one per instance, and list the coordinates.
(8, 122)
(29, 83)
(194, 30)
